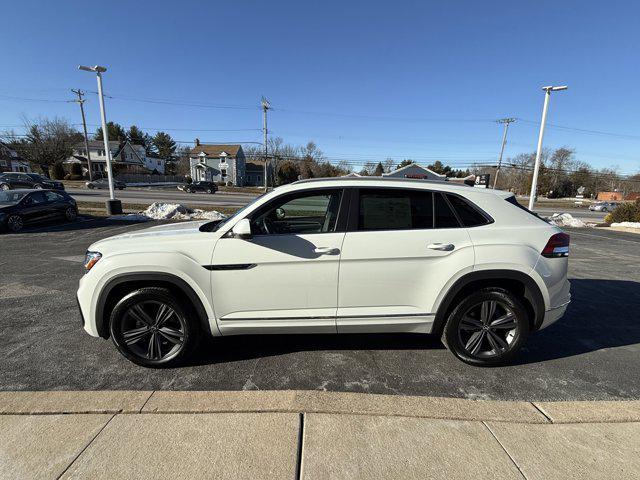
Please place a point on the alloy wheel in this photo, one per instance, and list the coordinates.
(153, 330)
(15, 223)
(487, 329)
(71, 214)
(4, 186)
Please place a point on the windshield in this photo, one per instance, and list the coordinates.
(217, 224)
(9, 197)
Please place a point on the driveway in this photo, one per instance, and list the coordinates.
(593, 353)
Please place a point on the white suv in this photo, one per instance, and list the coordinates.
(334, 256)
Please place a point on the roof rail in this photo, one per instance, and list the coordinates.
(384, 179)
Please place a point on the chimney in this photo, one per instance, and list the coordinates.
(197, 142)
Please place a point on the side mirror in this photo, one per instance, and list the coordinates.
(242, 229)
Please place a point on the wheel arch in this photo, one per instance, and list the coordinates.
(514, 281)
(119, 285)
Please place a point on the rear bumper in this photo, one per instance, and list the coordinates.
(553, 315)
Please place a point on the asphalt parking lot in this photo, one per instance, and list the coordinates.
(593, 353)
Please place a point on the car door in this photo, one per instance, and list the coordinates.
(401, 247)
(34, 208)
(56, 204)
(285, 278)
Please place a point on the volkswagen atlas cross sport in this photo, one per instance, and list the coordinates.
(344, 255)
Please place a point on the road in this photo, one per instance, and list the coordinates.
(148, 196)
(592, 353)
(583, 214)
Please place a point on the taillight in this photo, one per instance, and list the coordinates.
(557, 246)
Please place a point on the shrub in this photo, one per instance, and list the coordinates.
(625, 212)
(229, 184)
(220, 184)
(57, 171)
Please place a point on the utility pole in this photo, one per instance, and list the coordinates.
(265, 106)
(80, 102)
(506, 122)
(543, 121)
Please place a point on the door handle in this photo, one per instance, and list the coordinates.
(443, 247)
(327, 251)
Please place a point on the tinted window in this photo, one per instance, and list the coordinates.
(512, 200)
(445, 218)
(389, 209)
(469, 215)
(53, 197)
(309, 212)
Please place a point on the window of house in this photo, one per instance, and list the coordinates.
(298, 213)
(223, 172)
(395, 209)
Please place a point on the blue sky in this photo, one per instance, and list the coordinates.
(364, 80)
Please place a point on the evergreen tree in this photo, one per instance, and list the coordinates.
(165, 145)
(115, 131)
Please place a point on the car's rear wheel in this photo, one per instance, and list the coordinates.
(209, 190)
(15, 223)
(487, 327)
(151, 328)
(71, 214)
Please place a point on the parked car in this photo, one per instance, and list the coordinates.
(603, 206)
(104, 183)
(202, 186)
(343, 255)
(23, 207)
(13, 180)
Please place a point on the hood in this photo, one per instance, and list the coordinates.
(142, 238)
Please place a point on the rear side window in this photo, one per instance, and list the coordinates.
(512, 200)
(445, 218)
(469, 215)
(391, 209)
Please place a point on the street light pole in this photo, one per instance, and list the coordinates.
(536, 168)
(265, 107)
(113, 206)
(506, 122)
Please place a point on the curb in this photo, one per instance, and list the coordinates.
(288, 401)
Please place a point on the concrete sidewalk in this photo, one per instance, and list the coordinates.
(301, 434)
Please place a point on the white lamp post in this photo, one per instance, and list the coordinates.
(114, 207)
(534, 182)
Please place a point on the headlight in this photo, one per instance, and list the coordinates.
(90, 259)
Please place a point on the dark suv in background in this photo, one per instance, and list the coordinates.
(201, 186)
(14, 180)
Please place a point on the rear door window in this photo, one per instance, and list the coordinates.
(395, 209)
(469, 215)
(445, 218)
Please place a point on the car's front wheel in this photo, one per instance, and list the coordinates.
(487, 327)
(71, 214)
(15, 223)
(151, 328)
(4, 186)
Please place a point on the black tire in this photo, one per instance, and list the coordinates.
(604, 209)
(490, 346)
(176, 338)
(15, 223)
(71, 214)
(209, 190)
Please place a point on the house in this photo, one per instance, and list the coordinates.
(127, 158)
(414, 170)
(10, 161)
(218, 163)
(633, 196)
(610, 196)
(152, 164)
(255, 173)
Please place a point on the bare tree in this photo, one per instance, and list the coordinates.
(46, 141)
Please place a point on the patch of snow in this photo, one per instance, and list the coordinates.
(626, 224)
(170, 211)
(566, 220)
